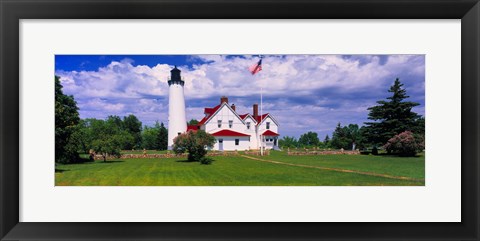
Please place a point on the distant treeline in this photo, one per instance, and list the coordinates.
(394, 126)
(74, 136)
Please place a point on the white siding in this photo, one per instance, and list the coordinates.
(229, 143)
(263, 127)
(251, 132)
(225, 115)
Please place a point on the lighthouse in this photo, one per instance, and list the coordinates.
(177, 121)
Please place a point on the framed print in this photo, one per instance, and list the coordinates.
(239, 120)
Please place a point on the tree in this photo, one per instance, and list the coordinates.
(150, 138)
(288, 142)
(405, 144)
(156, 137)
(133, 126)
(195, 143)
(162, 137)
(391, 117)
(309, 139)
(109, 138)
(353, 135)
(192, 122)
(66, 119)
(83, 136)
(340, 137)
(110, 146)
(326, 141)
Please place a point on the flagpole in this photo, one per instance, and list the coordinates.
(261, 112)
(261, 117)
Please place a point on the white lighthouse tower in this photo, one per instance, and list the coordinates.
(177, 121)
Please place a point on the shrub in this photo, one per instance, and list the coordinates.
(206, 160)
(405, 144)
(374, 151)
(195, 144)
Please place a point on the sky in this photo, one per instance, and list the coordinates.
(303, 92)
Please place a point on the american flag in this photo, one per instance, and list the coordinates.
(256, 67)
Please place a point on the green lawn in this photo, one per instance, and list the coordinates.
(384, 164)
(240, 171)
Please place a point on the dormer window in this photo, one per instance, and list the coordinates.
(248, 125)
(230, 123)
(268, 125)
(219, 123)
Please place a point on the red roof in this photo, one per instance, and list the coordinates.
(243, 116)
(211, 110)
(208, 112)
(228, 133)
(269, 133)
(261, 118)
(193, 128)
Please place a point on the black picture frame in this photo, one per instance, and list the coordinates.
(12, 11)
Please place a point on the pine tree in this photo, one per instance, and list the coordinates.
(392, 117)
(163, 137)
(326, 140)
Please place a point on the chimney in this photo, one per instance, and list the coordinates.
(255, 111)
(233, 107)
(224, 99)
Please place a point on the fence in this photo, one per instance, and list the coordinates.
(317, 151)
(165, 155)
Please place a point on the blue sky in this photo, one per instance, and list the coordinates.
(304, 92)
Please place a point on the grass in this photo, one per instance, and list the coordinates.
(384, 164)
(240, 171)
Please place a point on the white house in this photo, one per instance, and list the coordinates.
(235, 131)
(232, 130)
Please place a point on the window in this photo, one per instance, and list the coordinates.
(179, 133)
(220, 140)
(230, 123)
(248, 125)
(219, 123)
(237, 142)
(268, 125)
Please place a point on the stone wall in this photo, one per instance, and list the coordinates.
(321, 152)
(257, 152)
(164, 155)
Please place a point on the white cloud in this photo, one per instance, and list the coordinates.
(122, 87)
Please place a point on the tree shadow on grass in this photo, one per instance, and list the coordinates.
(109, 162)
(60, 170)
(187, 161)
(396, 155)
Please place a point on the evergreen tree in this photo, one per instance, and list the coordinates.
(66, 119)
(392, 117)
(340, 138)
(162, 137)
(326, 140)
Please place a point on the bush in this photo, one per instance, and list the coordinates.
(405, 144)
(374, 151)
(206, 161)
(195, 144)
